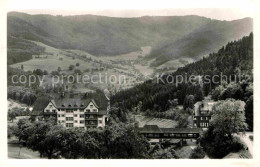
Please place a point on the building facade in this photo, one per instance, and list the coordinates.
(202, 114)
(76, 113)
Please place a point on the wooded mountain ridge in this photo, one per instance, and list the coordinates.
(170, 36)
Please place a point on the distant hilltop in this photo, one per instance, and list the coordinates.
(170, 37)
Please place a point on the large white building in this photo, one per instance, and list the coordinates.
(72, 112)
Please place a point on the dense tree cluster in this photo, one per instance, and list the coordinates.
(154, 96)
(14, 112)
(228, 118)
(234, 60)
(197, 153)
(21, 94)
(240, 91)
(20, 50)
(54, 141)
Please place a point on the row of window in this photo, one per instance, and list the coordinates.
(71, 110)
(204, 124)
(80, 121)
(75, 115)
(54, 111)
(91, 106)
(171, 135)
(178, 135)
(69, 118)
(69, 125)
(93, 122)
(201, 118)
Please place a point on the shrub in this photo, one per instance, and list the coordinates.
(71, 67)
(197, 153)
(77, 71)
(219, 146)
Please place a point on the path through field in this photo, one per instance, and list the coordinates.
(245, 138)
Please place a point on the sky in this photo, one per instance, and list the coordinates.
(220, 10)
(213, 13)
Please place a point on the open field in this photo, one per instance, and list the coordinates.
(162, 123)
(176, 63)
(130, 56)
(51, 63)
(14, 152)
(144, 69)
(91, 66)
(13, 104)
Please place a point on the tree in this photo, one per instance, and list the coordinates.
(38, 72)
(55, 73)
(183, 121)
(38, 134)
(77, 71)
(12, 115)
(45, 72)
(173, 103)
(234, 91)
(74, 141)
(168, 153)
(228, 117)
(218, 145)
(53, 141)
(77, 64)
(249, 113)
(130, 145)
(59, 69)
(71, 67)
(217, 92)
(189, 102)
(197, 153)
(22, 130)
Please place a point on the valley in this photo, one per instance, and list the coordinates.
(130, 67)
(98, 87)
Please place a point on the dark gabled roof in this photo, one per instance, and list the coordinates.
(180, 130)
(72, 103)
(39, 105)
(102, 112)
(98, 98)
(156, 129)
(95, 104)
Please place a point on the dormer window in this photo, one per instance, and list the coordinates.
(81, 105)
(75, 105)
(62, 105)
(69, 105)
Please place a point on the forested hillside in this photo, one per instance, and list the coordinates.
(233, 59)
(204, 40)
(170, 36)
(20, 50)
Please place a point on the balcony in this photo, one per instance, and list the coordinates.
(91, 117)
(91, 123)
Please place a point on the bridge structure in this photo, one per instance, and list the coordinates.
(154, 132)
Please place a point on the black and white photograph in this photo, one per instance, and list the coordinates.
(172, 83)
